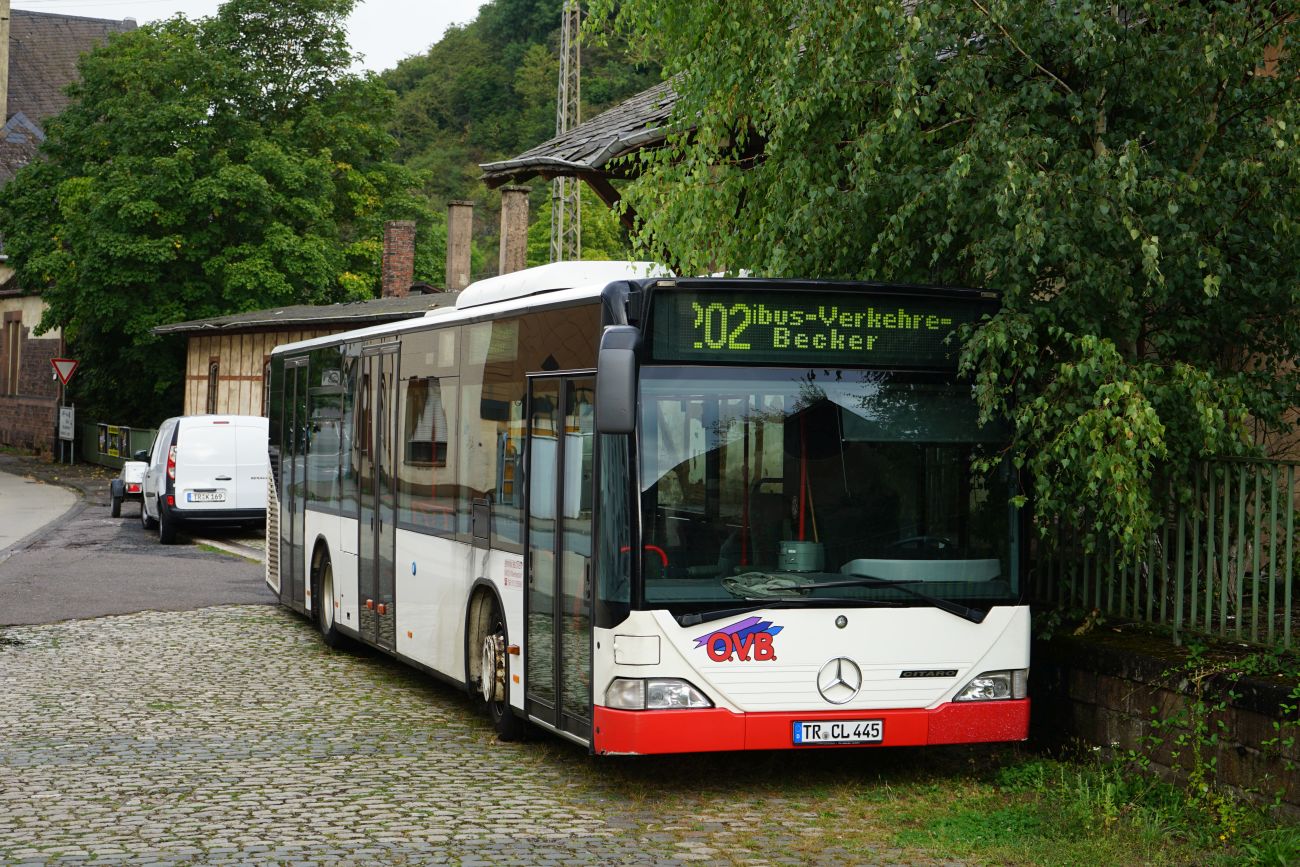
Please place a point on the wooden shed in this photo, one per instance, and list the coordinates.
(227, 360)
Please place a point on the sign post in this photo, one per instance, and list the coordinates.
(63, 369)
(67, 423)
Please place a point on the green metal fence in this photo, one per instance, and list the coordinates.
(1221, 565)
(111, 445)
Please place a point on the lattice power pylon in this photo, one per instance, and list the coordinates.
(566, 210)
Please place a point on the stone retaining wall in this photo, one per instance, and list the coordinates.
(1125, 693)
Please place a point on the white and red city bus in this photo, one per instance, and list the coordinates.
(660, 515)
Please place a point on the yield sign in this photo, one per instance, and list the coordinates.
(64, 368)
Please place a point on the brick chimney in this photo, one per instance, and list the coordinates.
(514, 229)
(460, 229)
(398, 269)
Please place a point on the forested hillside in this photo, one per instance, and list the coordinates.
(487, 91)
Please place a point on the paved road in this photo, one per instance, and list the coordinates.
(26, 505)
(88, 564)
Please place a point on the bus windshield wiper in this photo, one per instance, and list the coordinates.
(974, 615)
(777, 587)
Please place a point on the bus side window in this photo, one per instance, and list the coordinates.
(347, 427)
(426, 490)
(490, 383)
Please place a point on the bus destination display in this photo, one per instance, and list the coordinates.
(798, 327)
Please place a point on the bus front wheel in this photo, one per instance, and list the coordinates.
(494, 676)
(322, 601)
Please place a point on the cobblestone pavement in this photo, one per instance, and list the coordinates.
(231, 735)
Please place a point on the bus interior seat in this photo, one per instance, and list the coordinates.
(766, 522)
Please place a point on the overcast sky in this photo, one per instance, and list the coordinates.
(384, 31)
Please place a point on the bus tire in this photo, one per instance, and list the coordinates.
(494, 676)
(322, 601)
(166, 526)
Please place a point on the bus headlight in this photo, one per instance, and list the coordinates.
(655, 693)
(996, 686)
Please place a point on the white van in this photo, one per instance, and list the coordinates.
(206, 469)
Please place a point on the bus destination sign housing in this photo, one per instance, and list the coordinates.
(810, 326)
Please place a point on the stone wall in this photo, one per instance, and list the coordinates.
(1122, 692)
(29, 412)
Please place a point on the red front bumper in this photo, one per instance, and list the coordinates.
(644, 732)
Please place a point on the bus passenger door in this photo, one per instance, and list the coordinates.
(557, 646)
(293, 482)
(377, 542)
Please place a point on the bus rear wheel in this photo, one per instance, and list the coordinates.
(322, 601)
(494, 677)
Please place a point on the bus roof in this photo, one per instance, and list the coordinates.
(517, 291)
(549, 278)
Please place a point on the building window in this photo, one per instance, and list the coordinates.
(266, 386)
(13, 335)
(214, 367)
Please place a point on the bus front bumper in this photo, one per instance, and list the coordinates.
(648, 732)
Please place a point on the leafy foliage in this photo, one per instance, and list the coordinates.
(1125, 174)
(204, 168)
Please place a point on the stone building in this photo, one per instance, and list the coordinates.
(42, 55)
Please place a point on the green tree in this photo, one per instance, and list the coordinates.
(603, 237)
(1124, 173)
(204, 167)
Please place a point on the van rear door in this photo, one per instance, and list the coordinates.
(205, 465)
(253, 463)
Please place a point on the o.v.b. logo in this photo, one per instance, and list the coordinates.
(743, 641)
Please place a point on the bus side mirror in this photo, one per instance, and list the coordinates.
(616, 380)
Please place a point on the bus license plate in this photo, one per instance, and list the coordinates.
(844, 731)
(207, 496)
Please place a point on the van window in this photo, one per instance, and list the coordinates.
(164, 441)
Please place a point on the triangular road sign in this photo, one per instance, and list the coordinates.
(64, 368)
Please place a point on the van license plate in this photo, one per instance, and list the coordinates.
(843, 731)
(206, 496)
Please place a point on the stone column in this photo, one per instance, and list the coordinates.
(514, 229)
(460, 229)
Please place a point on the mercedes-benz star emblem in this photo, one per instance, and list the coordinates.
(839, 680)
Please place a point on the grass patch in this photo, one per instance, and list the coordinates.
(1040, 811)
(977, 805)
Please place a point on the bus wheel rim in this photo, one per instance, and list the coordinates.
(327, 596)
(491, 664)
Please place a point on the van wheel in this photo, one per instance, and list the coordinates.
(166, 526)
(322, 600)
(494, 678)
(145, 521)
(115, 509)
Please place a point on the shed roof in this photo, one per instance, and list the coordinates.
(354, 314)
(588, 148)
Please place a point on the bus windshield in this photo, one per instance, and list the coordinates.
(763, 483)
